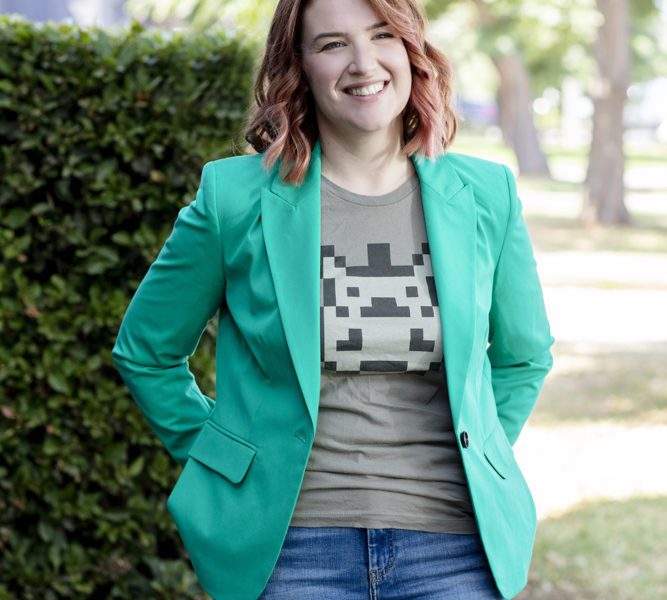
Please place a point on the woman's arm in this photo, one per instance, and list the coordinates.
(182, 290)
(519, 336)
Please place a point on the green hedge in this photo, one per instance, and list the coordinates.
(103, 138)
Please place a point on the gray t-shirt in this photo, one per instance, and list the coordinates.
(385, 453)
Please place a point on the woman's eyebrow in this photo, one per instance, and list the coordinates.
(341, 33)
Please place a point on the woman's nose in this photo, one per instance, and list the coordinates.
(363, 59)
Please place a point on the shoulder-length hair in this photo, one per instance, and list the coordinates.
(282, 121)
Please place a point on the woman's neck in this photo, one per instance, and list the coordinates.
(371, 165)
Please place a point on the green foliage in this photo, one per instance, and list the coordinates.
(554, 39)
(250, 18)
(102, 139)
(551, 38)
(648, 31)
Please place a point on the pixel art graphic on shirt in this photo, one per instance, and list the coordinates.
(379, 317)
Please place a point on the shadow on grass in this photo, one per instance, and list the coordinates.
(603, 382)
(614, 550)
(561, 234)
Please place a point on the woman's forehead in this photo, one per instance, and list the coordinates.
(338, 15)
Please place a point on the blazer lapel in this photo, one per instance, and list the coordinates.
(449, 211)
(291, 227)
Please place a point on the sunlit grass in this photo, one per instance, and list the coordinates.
(613, 550)
(566, 233)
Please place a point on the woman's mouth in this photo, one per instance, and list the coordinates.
(366, 90)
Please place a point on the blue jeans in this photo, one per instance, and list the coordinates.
(347, 563)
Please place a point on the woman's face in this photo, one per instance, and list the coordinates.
(357, 69)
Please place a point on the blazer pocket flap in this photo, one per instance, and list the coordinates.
(498, 452)
(223, 452)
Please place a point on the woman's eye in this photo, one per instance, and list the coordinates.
(332, 45)
(384, 35)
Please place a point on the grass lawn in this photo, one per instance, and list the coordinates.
(603, 551)
(605, 382)
(638, 154)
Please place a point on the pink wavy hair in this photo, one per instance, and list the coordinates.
(282, 122)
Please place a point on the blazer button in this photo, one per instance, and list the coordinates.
(465, 442)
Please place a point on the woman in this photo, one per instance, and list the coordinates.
(346, 260)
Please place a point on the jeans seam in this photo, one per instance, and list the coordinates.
(390, 562)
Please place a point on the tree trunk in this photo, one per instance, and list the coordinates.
(515, 99)
(604, 191)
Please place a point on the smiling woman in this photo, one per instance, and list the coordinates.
(358, 72)
(381, 332)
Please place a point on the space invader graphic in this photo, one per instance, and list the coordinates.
(380, 316)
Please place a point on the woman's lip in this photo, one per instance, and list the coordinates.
(383, 82)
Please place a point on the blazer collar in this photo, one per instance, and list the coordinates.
(292, 228)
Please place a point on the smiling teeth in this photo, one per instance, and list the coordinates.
(369, 90)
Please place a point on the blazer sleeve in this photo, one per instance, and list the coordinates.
(181, 292)
(519, 336)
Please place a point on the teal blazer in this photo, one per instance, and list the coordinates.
(248, 248)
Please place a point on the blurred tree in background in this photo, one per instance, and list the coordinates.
(537, 44)
(624, 31)
(604, 190)
(509, 33)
